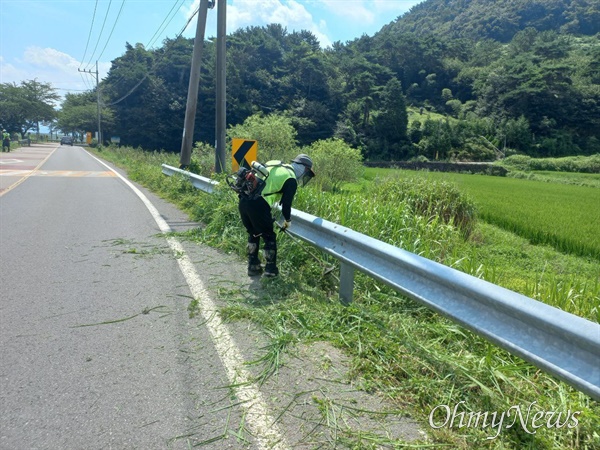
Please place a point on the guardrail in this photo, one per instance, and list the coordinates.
(199, 182)
(562, 344)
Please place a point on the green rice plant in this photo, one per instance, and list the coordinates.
(563, 216)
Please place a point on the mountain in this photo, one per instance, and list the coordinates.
(498, 20)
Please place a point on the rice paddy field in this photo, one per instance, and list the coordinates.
(565, 216)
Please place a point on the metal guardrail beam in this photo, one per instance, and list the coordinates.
(199, 182)
(562, 344)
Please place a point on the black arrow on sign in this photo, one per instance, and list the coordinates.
(240, 155)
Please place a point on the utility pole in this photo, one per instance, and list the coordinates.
(97, 100)
(221, 100)
(192, 97)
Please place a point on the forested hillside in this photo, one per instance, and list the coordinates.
(459, 79)
(499, 20)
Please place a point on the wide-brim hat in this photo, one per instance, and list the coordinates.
(305, 161)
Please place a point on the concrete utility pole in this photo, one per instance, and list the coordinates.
(221, 100)
(192, 97)
(97, 101)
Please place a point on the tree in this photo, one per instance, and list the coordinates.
(130, 89)
(79, 113)
(24, 106)
(392, 120)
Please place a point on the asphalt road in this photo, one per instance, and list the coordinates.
(97, 349)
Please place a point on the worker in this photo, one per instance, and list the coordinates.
(5, 140)
(280, 187)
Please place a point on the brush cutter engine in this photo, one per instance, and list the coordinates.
(247, 183)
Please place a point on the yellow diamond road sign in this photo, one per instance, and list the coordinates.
(243, 152)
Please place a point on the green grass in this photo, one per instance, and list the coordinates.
(564, 216)
(400, 349)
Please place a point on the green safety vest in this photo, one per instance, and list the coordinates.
(279, 173)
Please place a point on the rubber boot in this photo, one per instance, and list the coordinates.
(254, 267)
(271, 269)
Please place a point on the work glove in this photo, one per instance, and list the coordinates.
(286, 225)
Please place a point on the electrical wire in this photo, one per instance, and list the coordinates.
(154, 63)
(85, 81)
(100, 35)
(171, 12)
(89, 35)
(112, 30)
(149, 43)
(157, 33)
(72, 90)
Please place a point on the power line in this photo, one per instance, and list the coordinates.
(153, 64)
(156, 34)
(100, 35)
(113, 29)
(89, 35)
(73, 90)
(161, 27)
(85, 81)
(171, 12)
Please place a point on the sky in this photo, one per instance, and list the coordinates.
(59, 41)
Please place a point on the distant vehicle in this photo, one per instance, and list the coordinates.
(66, 140)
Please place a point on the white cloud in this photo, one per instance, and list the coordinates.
(47, 58)
(291, 14)
(367, 11)
(355, 11)
(50, 66)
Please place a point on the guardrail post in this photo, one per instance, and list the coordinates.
(346, 283)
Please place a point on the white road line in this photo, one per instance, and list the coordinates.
(258, 419)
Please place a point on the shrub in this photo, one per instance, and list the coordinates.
(275, 135)
(584, 164)
(476, 150)
(335, 162)
(518, 162)
(428, 198)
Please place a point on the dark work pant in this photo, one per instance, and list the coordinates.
(256, 217)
